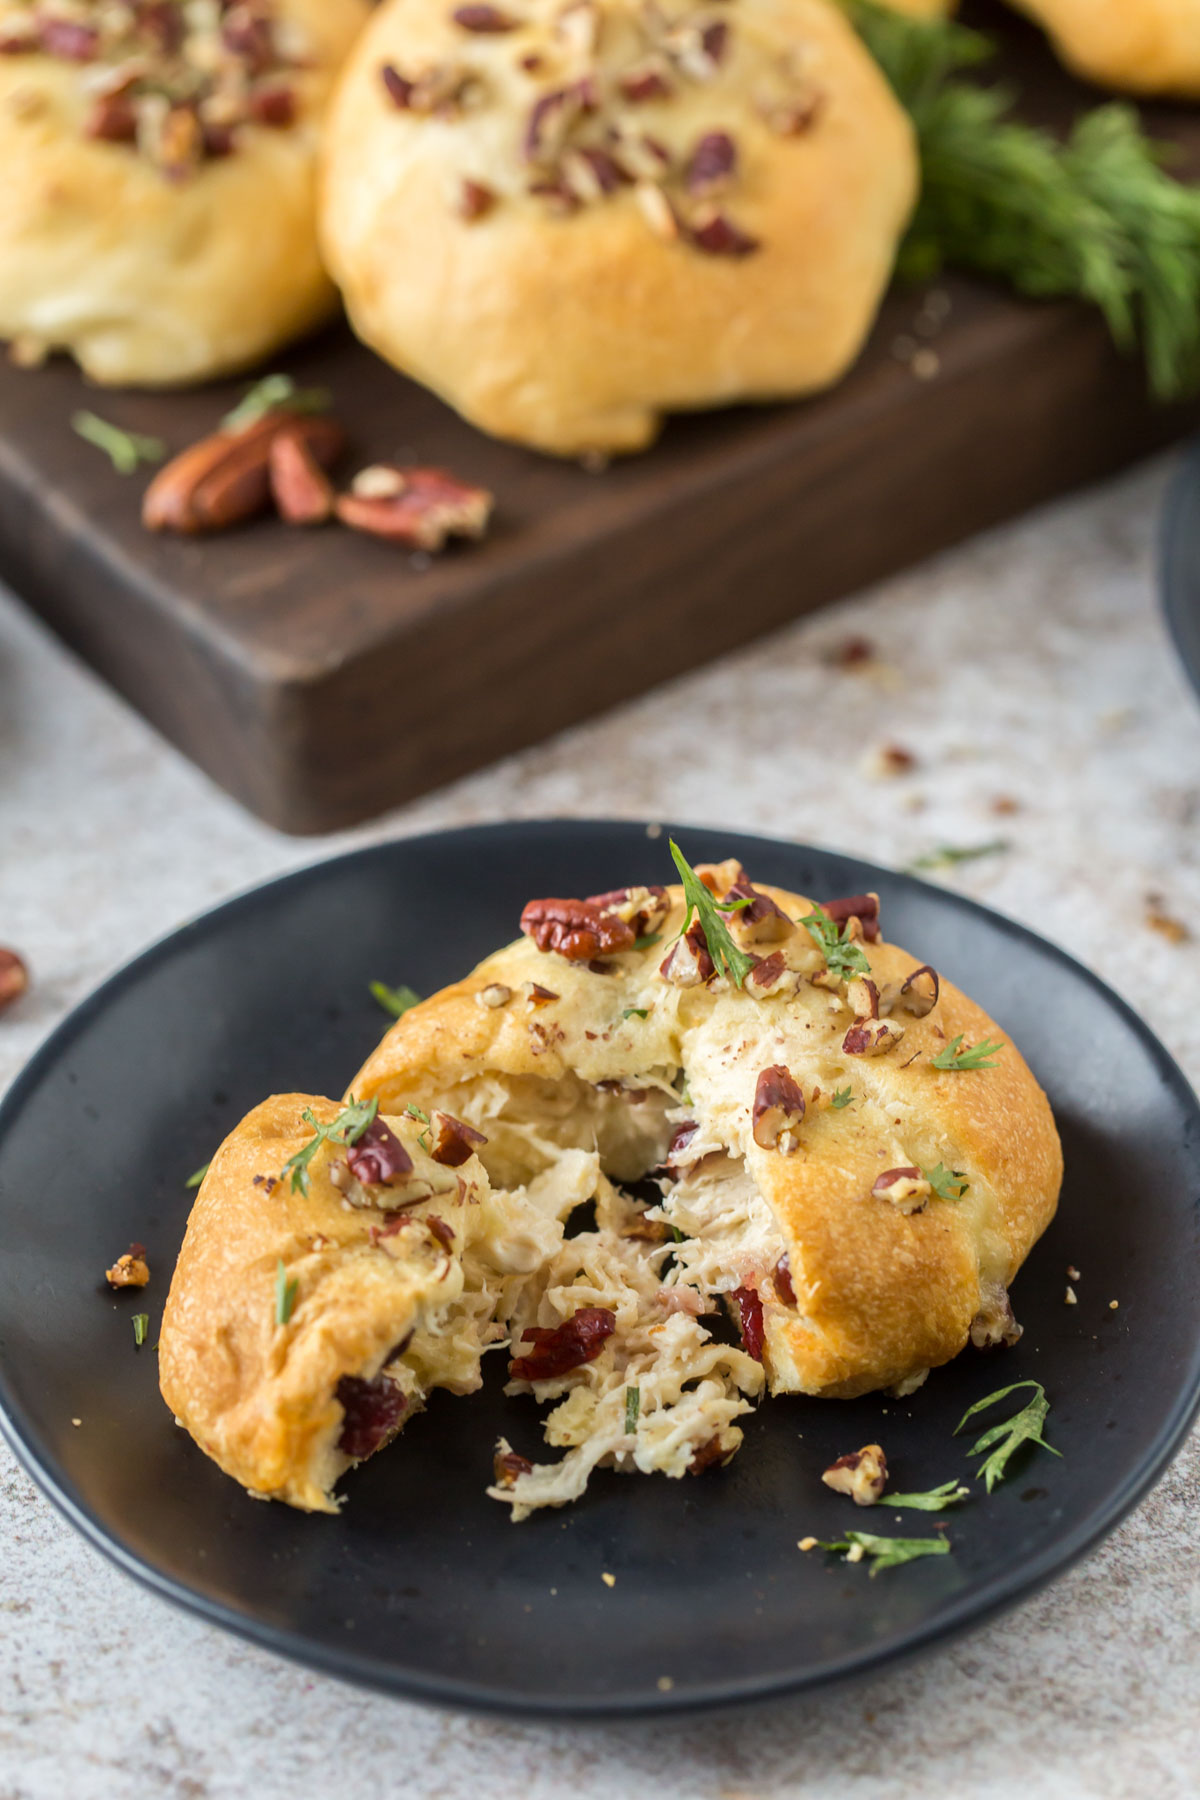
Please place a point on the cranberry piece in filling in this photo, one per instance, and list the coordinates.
(373, 1411)
(783, 1281)
(750, 1321)
(556, 1351)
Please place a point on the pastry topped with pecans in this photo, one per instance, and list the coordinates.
(1143, 46)
(570, 217)
(158, 218)
(674, 1148)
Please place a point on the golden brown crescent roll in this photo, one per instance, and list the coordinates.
(157, 209)
(569, 217)
(1143, 46)
(861, 1206)
(313, 1308)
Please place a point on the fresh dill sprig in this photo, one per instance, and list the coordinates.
(884, 1552)
(285, 1293)
(347, 1128)
(1025, 1427)
(1095, 218)
(633, 1406)
(972, 1056)
(394, 1000)
(934, 1500)
(194, 1180)
(727, 958)
(272, 392)
(947, 1184)
(124, 449)
(842, 956)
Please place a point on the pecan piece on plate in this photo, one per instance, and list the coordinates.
(508, 1464)
(994, 1326)
(421, 508)
(864, 908)
(130, 1270)
(578, 930)
(871, 1037)
(226, 478)
(863, 1475)
(919, 994)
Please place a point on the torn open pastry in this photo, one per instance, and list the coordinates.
(811, 1166)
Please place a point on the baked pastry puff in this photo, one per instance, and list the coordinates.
(157, 211)
(852, 1155)
(1141, 46)
(334, 1271)
(571, 217)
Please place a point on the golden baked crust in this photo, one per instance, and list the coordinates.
(1142, 46)
(879, 1293)
(262, 1397)
(146, 280)
(573, 318)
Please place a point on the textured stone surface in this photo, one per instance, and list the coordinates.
(1030, 666)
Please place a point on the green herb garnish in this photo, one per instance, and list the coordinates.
(727, 958)
(886, 1552)
(648, 943)
(141, 1327)
(124, 449)
(394, 1000)
(193, 1181)
(636, 1012)
(842, 1097)
(947, 856)
(347, 1128)
(271, 392)
(949, 1494)
(973, 1057)
(842, 957)
(1094, 218)
(1025, 1427)
(285, 1294)
(947, 1184)
(414, 1112)
(633, 1406)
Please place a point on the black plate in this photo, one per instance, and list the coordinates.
(1179, 562)
(422, 1586)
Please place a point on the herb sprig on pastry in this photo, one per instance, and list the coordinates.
(778, 1119)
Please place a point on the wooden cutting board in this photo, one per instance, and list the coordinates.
(322, 676)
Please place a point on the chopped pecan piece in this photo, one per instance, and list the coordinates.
(70, 39)
(906, 1188)
(709, 1454)
(778, 1109)
(872, 1037)
(657, 211)
(454, 1142)
(717, 235)
(553, 115)
(641, 907)
(439, 1229)
(300, 488)
(508, 1463)
(475, 200)
(399, 87)
(559, 1349)
(273, 106)
(494, 995)
(14, 978)
(424, 508)
(372, 1412)
(591, 173)
(919, 994)
(762, 922)
(647, 82)
(113, 118)
(688, 962)
(863, 907)
(863, 1475)
(378, 1159)
(483, 18)
(750, 1320)
(226, 478)
(130, 1270)
(537, 995)
(578, 930)
(863, 996)
(712, 164)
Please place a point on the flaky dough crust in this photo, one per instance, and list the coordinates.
(577, 333)
(149, 282)
(1141, 46)
(881, 1295)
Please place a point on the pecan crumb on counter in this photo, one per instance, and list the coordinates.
(14, 978)
(130, 1270)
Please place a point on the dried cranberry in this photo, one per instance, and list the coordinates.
(556, 1350)
(507, 1465)
(378, 1158)
(783, 1281)
(750, 1321)
(373, 1411)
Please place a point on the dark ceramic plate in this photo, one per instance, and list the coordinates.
(422, 1586)
(1179, 562)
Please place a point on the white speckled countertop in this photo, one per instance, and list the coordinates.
(1030, 676)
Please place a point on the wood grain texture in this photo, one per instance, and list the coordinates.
(320, 676)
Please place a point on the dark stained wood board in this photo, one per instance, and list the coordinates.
(321, 677)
